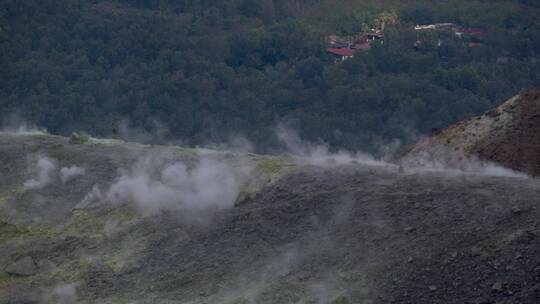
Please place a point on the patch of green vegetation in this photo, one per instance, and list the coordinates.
(340, 300)
(92, 223)
(124, 214)
(68, 272)
(10, 232)
(117, 258)
(84, 221)
(78, 138)
(114, 262)
(241, 300)
(6, 196)
(272, 165)
(268, 169)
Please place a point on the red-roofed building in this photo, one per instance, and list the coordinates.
(341, 53)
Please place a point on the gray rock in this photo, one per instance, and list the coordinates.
(497, 287)
(516, 210)
(476, 251)
(408, 229)
(22, 267)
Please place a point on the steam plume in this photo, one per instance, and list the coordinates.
(66, 294)
(456, 162)
(153, 187)
(68, 173)
(44, 169)
(14, 123)
(319, 154)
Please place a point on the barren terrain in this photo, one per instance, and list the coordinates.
(295, 233)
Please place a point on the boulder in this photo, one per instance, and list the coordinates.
(22, 267)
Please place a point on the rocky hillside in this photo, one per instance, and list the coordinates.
(508, 135)
(101, 221)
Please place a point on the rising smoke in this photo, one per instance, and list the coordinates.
(320, 154)
(455, 162)
(68, 173)
(15, 124)
(66, 294)
(446, 161)
(154, 185)
(156, 133)
(234, 143)
(44, 170)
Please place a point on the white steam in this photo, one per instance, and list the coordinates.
(16, 125)
(319, 154)
(154, 187)
(111, 226)
(94, 195)
(158, 132)
(457, 163)
(68, 173)
(66, 294)
(44, 170)
(327, 291)
(444, 160)
(235, 143)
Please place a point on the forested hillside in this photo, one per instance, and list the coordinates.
(208, 70)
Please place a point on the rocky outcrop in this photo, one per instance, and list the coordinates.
(22, 267)
(508, 135)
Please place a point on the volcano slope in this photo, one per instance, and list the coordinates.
(508, 135)
(290, 232)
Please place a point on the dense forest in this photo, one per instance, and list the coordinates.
(205, 71)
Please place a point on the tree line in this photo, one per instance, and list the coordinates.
(208, 70)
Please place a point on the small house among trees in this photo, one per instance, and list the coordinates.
(341, 54)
